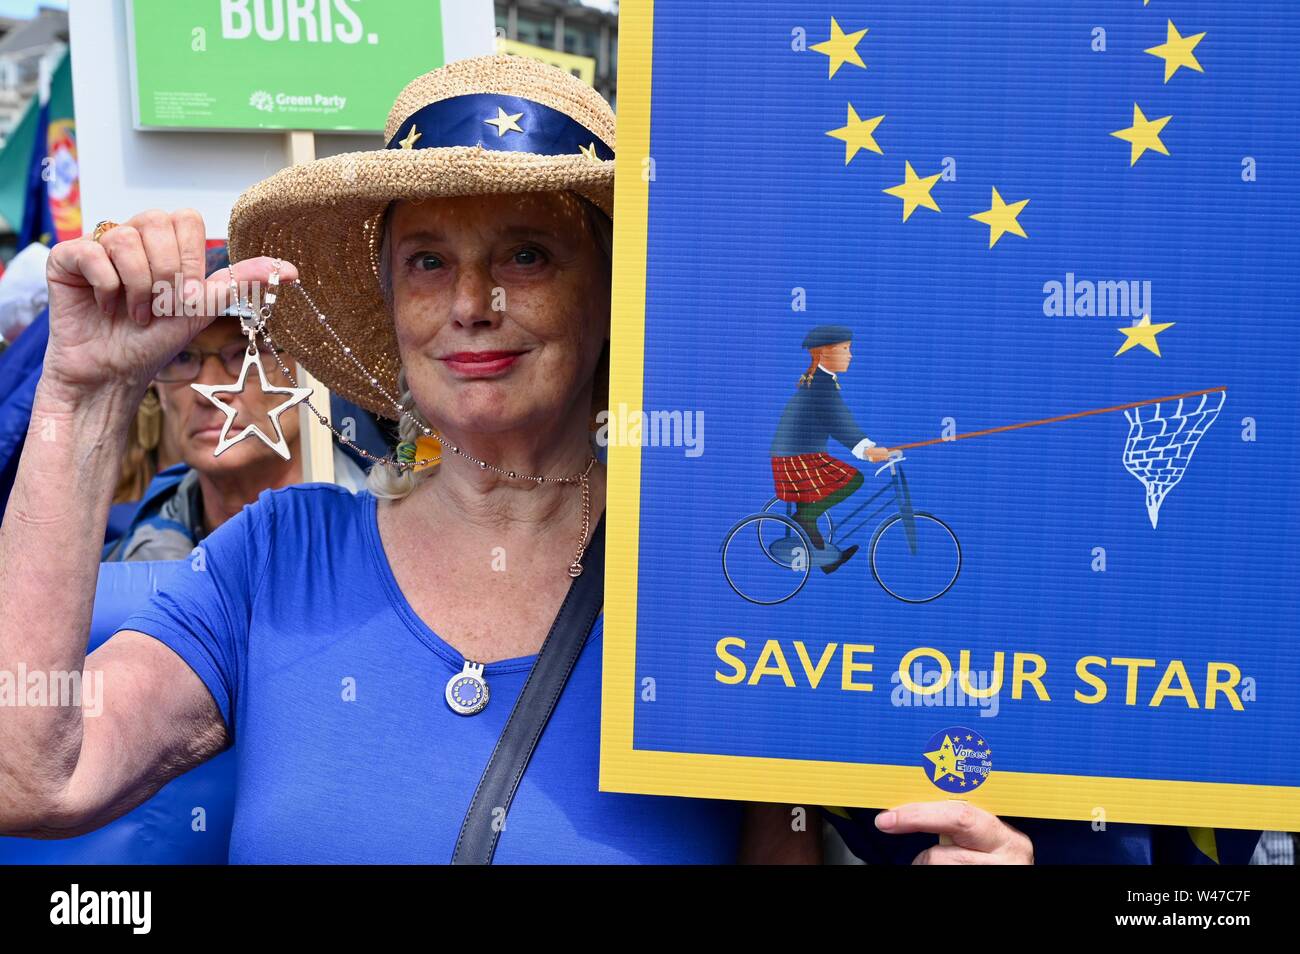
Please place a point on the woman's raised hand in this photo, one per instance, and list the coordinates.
(122, 307)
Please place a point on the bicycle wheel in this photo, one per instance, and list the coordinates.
(827, 525)
(774, 571)
(920, 569)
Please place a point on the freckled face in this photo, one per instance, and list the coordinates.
(501, 305)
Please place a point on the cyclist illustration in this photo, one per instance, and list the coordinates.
(804, 473)
(768, 554)
(915, 557)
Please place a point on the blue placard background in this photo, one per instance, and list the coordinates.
(752, 199)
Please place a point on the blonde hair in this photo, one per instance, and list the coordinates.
(140, 463)
(390, 482)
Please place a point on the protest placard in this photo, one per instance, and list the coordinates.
(953, 416)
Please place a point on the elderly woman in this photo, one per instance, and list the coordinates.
(363, 652)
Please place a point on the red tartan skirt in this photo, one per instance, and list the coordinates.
(807, 478)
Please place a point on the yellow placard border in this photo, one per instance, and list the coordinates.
(797, 781)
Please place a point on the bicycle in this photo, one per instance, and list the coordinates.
(917, 563)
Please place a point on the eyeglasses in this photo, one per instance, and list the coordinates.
(189, 362)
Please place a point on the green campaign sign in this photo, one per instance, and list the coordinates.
(277, 64)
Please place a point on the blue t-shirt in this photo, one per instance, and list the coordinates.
(332, 688)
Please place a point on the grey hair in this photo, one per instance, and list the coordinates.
(388, 481)
(385, 480)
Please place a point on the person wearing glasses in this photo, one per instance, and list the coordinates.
(186, 502)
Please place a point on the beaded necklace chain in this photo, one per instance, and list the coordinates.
(256, 322)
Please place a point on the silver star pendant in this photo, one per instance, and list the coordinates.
(210, 391)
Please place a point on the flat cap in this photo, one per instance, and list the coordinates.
(827, 335)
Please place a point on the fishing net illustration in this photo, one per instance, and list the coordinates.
(1163, 434)
(1161, 440)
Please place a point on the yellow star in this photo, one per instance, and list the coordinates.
(942, 758)
(915, 191)
(505, 122)
(589, 150)
(1144, 134)
(1176, 51)
(1001, 218)
(1144, 334)
(856, 134)
(410, 140)
(841, 48)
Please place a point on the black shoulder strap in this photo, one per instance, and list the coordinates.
(559, 653)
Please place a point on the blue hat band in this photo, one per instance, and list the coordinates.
(504, 123)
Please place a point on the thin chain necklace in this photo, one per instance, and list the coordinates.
(256, 321)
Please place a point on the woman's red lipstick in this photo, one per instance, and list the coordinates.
(480, 364)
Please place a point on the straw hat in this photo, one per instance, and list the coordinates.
(488, 124)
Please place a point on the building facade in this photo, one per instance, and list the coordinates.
(567, 26)
(29, 51)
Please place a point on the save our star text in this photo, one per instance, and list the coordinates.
(1088, 679)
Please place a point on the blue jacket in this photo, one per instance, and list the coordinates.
(168, 522)
(182, 522)
(812, 416)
